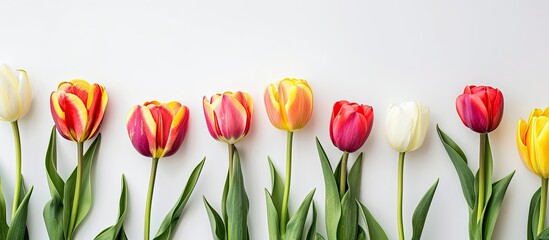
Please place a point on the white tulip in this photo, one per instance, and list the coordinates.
(15, 94)
(406, 126)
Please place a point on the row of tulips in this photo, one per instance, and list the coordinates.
(157, 130)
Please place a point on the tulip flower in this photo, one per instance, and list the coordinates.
(156, 130)
(350, 125)
(15, 100)
(228, 117)
(532, 138)
(406, 126)
(77, 108)
(480, 108)
(289, 104)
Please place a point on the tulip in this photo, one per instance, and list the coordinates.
(228, 116)
(480, 108)
(15, 93)
(289, 104)
(350, 125)
(406, 125)
(77, 108)
(156, 130)
(532, 138)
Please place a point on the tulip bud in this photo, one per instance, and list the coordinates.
(532, 139)
(289, 104)
(15, 94)
(406, 126)
(228, 115)
(480, 108)
(77, 108)
(157, 129)
(350, 125)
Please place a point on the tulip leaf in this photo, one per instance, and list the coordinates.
(237, 203)
(375, 231)
(272, 217)
(420, 214)
(494, 205)
(168, 226)
(348, 222)
(333, 204)
(277, 190)
(53, 218)
(361, 234)
(55, 182)
(85, 202)
(311, 234)
(533, 215)
(18, 229)
(459, 160)
(216, 223)
(337, 174)
(294, 229)
(53, 210)
(116, 231)
(224, 199)
(3, 224)
(544, 235)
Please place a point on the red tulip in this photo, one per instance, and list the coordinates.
(350, 125)
(480, 108)
(228, 115)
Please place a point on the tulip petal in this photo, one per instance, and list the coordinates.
(231, 116)
(76, 115)
(273, 107)
(211, 121)
(335, 112)
(298, 105)
(522, 130)
(163, 118)
(351, 131)
(59, 116)
(178, 130)
(96, 106)
(473, 112)
(142, 130)
(25, 92)
(399, 125)
(9, 101)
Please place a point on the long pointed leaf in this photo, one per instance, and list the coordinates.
(311, 234)
(216, 223)
(53, 210)
(116, 231)
(420, 214)
(18, 229)
(333, 204)
(55, 182)
(237, 203)
(294, 229)
(277, 189)
(272, 217)
(168, 226)
(459, 160)
(375, 231)
(494, 205)
(3, 224)
(533, 215)
(85, 203)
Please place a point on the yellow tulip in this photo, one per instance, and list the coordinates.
(289, 104)
(533, 142)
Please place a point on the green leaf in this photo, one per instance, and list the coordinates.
(420, 214)
(272, 217)
(348, 223)
(85, 202)
(333, 204)
(494, 205)
(217, 225)
(337, 173)
(361, 234)
(319, 237)
(354, 175)
(544, 235)
(311, 234)
(55, 182)
(18, 229)
(375, 231)
(116, 231)
(533, 215)
(53, 210)
(168, 226)
(459, 160)
(224, 199)
(294, 229)
(278, 189)
(237, 203)
(3, 224)
(53, 218)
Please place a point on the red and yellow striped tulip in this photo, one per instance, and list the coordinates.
(289, 104)
(77, 108)
(157, 129)
(228, 115)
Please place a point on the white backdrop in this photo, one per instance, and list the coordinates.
(372, 52)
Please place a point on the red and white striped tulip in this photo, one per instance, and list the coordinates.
(228, 115)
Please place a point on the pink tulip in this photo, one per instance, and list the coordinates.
(350, 125)
(480, 108)
(228, 116)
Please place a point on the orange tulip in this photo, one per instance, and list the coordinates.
(289, 104)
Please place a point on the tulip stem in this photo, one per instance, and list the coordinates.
(76, 200)
(543, 205)
(152, 179)
(482, 176)
(287, 184)
(17, 194)
(343, 174)
(231, 157)
(399, 196)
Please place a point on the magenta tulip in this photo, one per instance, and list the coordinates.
(480, 108)
(350, 125)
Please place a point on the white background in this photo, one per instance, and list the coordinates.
(372, 52)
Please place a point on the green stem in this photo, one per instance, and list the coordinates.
(543, 205)
(343, 175)
(76, 200)
(17, 194)
(287, 184)
(399, 196)
(231, 156)
(152, 178)
(482, 176)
